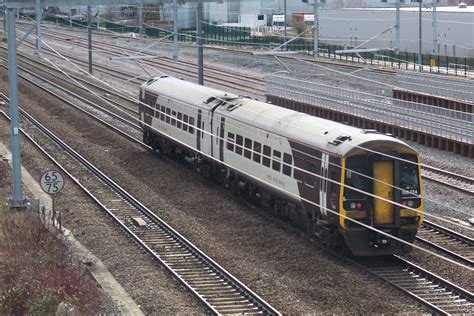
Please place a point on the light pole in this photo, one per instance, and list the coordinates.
(397, 27)
(420, 58)
(175, 30)
(435, 29)
(316, 28)
(284, 18)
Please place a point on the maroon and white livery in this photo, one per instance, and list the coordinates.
(283, 159)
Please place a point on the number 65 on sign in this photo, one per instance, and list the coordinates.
(52, 182)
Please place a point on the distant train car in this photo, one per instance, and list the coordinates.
(293, 163)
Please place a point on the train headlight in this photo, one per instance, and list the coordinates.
(352, 205)
(410, 203)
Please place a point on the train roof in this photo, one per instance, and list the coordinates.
(186, 91)
(327, 135)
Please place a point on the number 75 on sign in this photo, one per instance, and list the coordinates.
(52, 182)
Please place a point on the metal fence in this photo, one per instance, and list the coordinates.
(451, 124)
(441, 86)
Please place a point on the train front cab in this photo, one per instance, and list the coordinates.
(380, 175)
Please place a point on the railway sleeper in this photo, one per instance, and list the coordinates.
(213, 296)
(209, 282)
(228, 300)
(429, 292)
(418, 286)
(444, 300)
(235, 305)
(406, 279)
(177, 265)
(412, 284)
(428, 295)
(192, 272)
(238, 310)
(224, 291)
(457, 308)
(201, 276)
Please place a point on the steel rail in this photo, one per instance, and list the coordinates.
(467, 182)
(110, 46)
(90, 103)
(245, 300)
(437, 294)
(96, 86)
(222, 81)
(442, 238)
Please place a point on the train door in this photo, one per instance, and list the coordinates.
(221, 139)
(323, 186)
(383, 188)
(199, 132)
(149, 108)
(203, 139)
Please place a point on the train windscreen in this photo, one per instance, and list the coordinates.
(356, 177)
(409, 178)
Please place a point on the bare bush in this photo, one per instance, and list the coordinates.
(38, 271)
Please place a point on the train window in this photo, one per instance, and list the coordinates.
(162, 113)
(356, 177)
(287, 164)
(276, 163)
(179, 122)
(185, 122)
(309, 177)
(248, 148)
(173, 118)
(239, 142)
(157, 111)
(299, 174)
(230, 141)
(257, 149)
(191, 124)
(168, 115)
(267, 151)
(409, 178)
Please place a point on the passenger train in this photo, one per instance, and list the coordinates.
(319, 174)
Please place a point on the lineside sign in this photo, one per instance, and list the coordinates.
(52, 182)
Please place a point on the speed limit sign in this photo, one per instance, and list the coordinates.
(52, 182)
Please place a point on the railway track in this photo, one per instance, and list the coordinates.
(454, 181)
(235, 81)
(432, 291)
(131, 214)
(449, 179)
(454, 244)
(216, 288)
